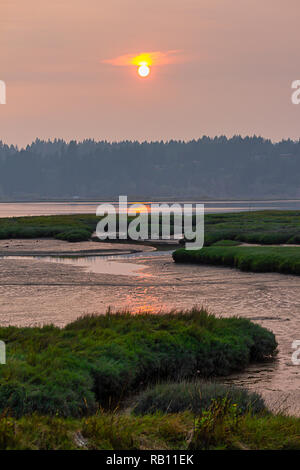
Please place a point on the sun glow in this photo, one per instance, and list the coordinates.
(143, 70)
(146, 58)
(144, 61)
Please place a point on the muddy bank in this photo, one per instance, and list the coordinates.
(51, 246)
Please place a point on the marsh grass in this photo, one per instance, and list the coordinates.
(223, 427)
(196, 396)
(74, 235)
(99, 360)
(65, 227)
(226, 243)
(263, 227)
(284, 260)
(220, 427)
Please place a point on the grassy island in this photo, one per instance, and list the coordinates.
(100, 359)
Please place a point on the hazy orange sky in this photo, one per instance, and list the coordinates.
(239, 58)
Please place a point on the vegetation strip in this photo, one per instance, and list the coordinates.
(284, 260)
(219, 428)
(268, 227)
(262, 227)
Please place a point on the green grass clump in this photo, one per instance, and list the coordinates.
(284, 260)
(100, 359)
(103, 431)
(270, 432)
(65, 227)
(260, 227)
(223, 426)
(220, 427)
(210, 238)
(29, 232)
(126, 432)
(226, 243)
(37, 433)
(272, 238)
(195, 396)
(295, 239)
(74, 235)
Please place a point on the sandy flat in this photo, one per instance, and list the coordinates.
(49, 246)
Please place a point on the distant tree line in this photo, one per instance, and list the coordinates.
(249, 167)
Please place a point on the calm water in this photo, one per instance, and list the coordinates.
(53, 208)
(91, 264)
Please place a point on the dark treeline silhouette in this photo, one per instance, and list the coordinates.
(250, 167)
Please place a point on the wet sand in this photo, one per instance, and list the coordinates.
(36, 292)
(51, 246)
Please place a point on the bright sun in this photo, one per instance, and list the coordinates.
(143, 70)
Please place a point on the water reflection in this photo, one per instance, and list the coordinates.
(10, 209)
(91, 264)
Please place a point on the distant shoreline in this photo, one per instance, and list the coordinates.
(147, 200)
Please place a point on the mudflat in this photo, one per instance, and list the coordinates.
(51, 246)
